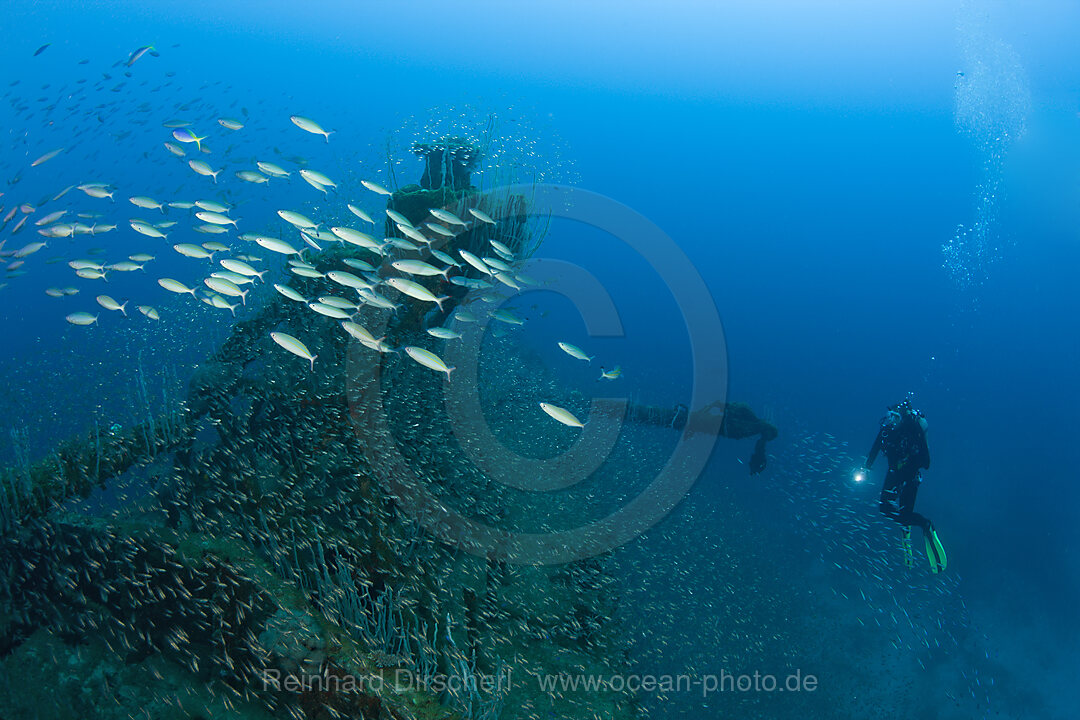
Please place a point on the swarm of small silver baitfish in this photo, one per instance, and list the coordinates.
(265, 544)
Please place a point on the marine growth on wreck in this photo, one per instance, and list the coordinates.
(257, 564)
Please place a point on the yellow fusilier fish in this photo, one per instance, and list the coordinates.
(211, 206)
(316, 234)
(230, 124)
(306, 272)
(241, 268)
(226, 287)
(294, 346)
(375, 187)
(96, 229)
(208, 229)
(355, 237)
(349, 280)
(54, 292)
(497, 264)
(360, 333)
(96, 191)
(317, 178)
(443, 257)
(176, 286)
(146, 203)
(91, 274)
(272, 170)
(109, 304)
(443, 333)
(223, 304)
(278, 246)
(507, 279)
(235, 278)
(507, 317)
(28, 249)
(414, 234)
(374, 299)
(312, 183)
(574, 351)
(308, 125)
(447, 217)
(145, 228)
(398, 218)
(126, 266)
(403, 244)
(290, 293)
(562, 415)
(175, 149)
(149, 312)
(215, 218)
(475, 262)
(418, 267)
(214, 246)
(428, 359)
(186, 136)
(360, 213)
(440, 229)
(202, 168)
(415, 290)
(296, 219)
(251, 176)
(506, 253)
(58, 231)
(81, 318)
(612, 374)
(63, 192)
(51, 218)
(338, 302)
(46, 157)
(193, 251)
(140, 258)
(359, 265)
(330, 311)
(481, 216)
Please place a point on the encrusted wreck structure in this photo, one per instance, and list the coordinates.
(243, 555)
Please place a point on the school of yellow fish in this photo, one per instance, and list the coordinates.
(231, 268)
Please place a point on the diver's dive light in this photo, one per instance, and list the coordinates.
(860, 475)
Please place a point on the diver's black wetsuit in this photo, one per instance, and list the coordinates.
(905, 447)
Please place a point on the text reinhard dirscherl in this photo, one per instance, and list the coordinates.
(401, 680)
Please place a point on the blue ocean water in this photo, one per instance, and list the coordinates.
(812, 161)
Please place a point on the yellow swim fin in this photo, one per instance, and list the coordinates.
(939, 550)
(931, 554)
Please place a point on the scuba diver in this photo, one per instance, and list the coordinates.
(903, 438)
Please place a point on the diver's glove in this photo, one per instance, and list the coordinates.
(757, 460)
